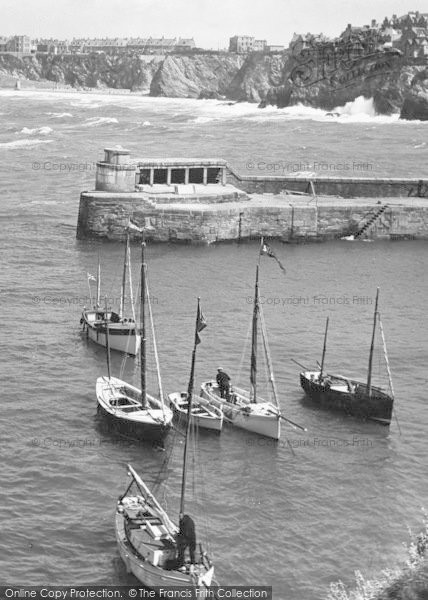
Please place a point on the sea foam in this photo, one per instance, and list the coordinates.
(36, 130)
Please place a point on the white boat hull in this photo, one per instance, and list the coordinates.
(262, 417)
(147, 542)
(123, 336)
(204, 414)
(120, 403)
(146, 573)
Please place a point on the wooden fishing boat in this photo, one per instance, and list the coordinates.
(351, 396)
(262, 417)
(204, 414)
(124, 334)
(151, 545)
(246, 409)
(121, 404)
(147, 542)
(132, 411)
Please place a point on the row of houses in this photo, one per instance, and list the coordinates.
(243, 44)
(22, 44)
(406, 35)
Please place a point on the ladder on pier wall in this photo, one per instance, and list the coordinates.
(370, 222)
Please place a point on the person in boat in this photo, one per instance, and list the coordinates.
(325, 381)
(114, 318)
(223, 382)
(351, 387)
(186, 538)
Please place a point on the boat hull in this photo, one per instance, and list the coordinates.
(148, 544)
(211, 420)
(151, 425)
(348, 396)
(262, 418)
(123, 337)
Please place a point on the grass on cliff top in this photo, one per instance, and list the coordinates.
(407, 582)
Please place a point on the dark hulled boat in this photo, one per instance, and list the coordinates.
(353, 397)
(134, 412)
(348, 395)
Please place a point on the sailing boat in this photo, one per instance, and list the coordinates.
(203, 414)
(360, 399)
(124, 334)
(150, 544)
(246, 409)
(134, 412)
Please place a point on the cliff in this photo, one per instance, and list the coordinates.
(280, 79)
(383, 76)
(94, 70)
(198, 76)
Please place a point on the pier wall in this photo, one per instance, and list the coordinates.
(345, 187)
(205, 200)
(285, 219)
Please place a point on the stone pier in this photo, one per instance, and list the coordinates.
(205, 201)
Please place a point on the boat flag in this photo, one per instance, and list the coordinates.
(266, 249)
(200, 324)
(90, 277)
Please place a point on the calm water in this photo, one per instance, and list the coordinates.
(343, 498)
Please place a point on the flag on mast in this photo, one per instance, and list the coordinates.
(90, 277)
(266, 249)
(200, 324)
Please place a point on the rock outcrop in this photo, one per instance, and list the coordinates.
(257, 75)
(383, 76)
(415, 107)
(195, 76)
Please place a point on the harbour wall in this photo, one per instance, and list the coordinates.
(349, 187)
(290, 218)
(205, 200)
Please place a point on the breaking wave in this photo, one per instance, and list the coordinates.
(25, 142)
(95, 121)
(36, 130)
(360, 110)
(59, 115)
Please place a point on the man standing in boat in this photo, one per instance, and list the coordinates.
(186, 538)
(223, 382)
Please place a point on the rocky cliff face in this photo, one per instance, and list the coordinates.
(278, 79)
(198, 76)
(382, 76)
(94, 70)
(257, 75)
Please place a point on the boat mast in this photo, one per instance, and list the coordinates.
(253, 365)
(189, 412)
(155, 348)
(107, 339)
(324, 349)
(131, 293)
(143, 325)
(98, 282)
(123, 288)
(369, 374)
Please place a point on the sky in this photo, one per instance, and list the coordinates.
(210, 22)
